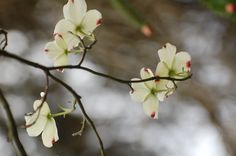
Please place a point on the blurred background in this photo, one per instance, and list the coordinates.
(199, 119)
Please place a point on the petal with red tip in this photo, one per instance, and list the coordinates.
(75, 11)
(146, 73)
(35, 124)
(167, 54)
(182, 64)
(50, 134)
(140, 91)
(150, 106)
(91, 20)
(53, 50)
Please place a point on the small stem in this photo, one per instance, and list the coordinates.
(12, 129)
(83, 57)
(59, 114)
(81, 129)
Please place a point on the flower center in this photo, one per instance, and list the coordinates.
(79, 28)
(66, 51)
(49, 116)
(153, 91)
(171, 73)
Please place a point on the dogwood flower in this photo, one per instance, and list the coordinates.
(172, 64)
(41, 121)
(149, 93)
(57, 50)
(77, 20)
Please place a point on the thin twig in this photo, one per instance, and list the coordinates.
(22, 60)
(85, 47)
(12, 129)
(134, 81)
(78, 99)
(5, 40)
(43, 99)
(44, 68)
(80, 132)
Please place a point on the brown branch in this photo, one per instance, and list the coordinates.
(78, 99)
(77, 96)
(12, 129)
(43, 99)
(5, 40)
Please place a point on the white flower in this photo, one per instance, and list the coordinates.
(57, 51)
(172, 64)
(41, 122)
(78, 21)
(149, 93)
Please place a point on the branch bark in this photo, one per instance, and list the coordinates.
(12, 129)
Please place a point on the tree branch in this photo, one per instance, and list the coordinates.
(73, 92)
(78, 99)
(12, 129)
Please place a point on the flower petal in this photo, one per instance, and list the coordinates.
(166, 91)
(74, 11)
(146, 73)
(66, 29)
(150, 106)
(61, 60)
(53, 50)
(140, 91)
(91, 20)
(162, 70)
(50, 134)
(35, 124)
(44, 109)
(182, 64)
(64, 26)
(162, 88)
(60, 41)
(167, 54)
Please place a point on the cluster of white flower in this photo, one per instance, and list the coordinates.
(173, 65)
(69, 32)
(77, 24)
